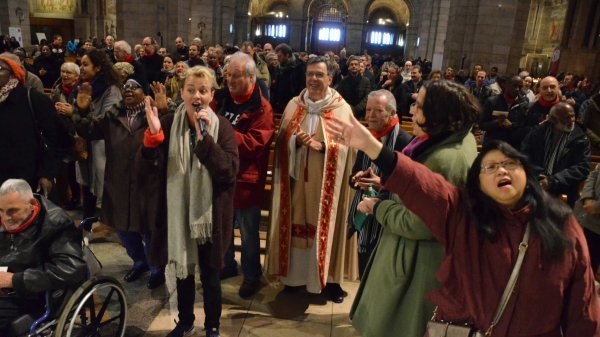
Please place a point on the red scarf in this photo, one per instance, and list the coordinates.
(245, 97)
(129, 58)
(28, 221)
(547, 104)
(385, 130)
(67, 90)
(509, 100)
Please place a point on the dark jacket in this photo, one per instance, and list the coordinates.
(288, 81)
(537, 113)
(46, 255)
(140, 75)
(591, 120)
(20, 146)
(355, 90)
(572, 164)
(408, 88)
(253, 127)
(482, 93)
(513, 134)
(221, 160)
(153, 65)
(181, 54)
(132, 199)
(51, 65)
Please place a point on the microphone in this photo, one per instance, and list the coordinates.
(201, 122)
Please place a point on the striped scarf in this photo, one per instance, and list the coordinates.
(553, 149)
(371, 231)
(133, 112)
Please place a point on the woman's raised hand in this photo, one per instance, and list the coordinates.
(84, 96)
(354, 135)
(152, 116)
(160, 95)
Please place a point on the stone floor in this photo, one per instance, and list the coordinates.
(268, 313)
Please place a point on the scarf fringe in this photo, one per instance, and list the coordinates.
(181, 271)
(202, 232)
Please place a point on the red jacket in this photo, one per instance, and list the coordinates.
(254, 127)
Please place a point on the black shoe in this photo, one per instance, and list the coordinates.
(335, 293)
(214, 332)
(291, 289)
(156, 280)
(181, 330)
(249, 288)
(228, 272)
(134, 274)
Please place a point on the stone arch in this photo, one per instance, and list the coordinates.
(403, 10)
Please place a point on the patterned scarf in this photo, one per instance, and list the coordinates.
(7, 88)
(133, 112)
(553, 149)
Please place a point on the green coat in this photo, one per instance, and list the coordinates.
(391, 297)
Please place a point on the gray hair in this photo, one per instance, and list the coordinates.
(17, 185)
(321, 59)
(270, 56)
(247, 61)
(70, 67)
(391, 100)
(122, 44)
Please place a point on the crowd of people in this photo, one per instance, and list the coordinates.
(172, 149)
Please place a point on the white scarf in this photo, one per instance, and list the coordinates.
(189, 195)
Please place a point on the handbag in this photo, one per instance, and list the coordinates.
(440, 328)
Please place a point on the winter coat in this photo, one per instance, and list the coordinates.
(391, 296)
(253, 129)
(46, 255)
(51, 65)
(355, 90)
(572, 164)
(221, 160)
(20, 146)
(517, 114)
(132, 199)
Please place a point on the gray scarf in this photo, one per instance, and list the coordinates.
(189, 195)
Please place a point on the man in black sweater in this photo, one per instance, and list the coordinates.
(355, 88)
(151, 61)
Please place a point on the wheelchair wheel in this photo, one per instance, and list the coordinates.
(97, 309)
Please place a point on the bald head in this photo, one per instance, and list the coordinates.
(549, 89)
(562, 115)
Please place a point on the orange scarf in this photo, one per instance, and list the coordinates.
(387, 129)
(28, 221)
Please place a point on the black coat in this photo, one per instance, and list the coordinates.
(408, 88)
(20, 146)
(153, 65)
(46, 255)
(51, 65)
(572, 165)
(288, 83)
(517, 114)
(355, 90)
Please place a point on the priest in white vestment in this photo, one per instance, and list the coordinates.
(307, 236)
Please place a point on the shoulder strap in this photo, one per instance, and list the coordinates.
(511, 281)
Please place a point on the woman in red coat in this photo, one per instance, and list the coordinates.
(481, 229)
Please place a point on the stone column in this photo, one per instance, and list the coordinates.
(9, 18)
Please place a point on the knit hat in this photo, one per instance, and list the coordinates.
(16, 69)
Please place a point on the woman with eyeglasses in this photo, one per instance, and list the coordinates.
(131, 200)
(481, 228)
(407, 254)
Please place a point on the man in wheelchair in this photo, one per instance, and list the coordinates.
(40, 250)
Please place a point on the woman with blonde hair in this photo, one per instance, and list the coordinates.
(197, 151)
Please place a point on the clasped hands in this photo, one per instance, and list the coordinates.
(366, 178)
(304, 139)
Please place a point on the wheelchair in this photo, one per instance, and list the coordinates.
(97, 308)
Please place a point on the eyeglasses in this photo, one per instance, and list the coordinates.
(131, 86)
(316, 74)
(509, 164)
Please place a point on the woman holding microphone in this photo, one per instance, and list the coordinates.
(200, 164)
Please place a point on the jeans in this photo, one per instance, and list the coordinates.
(248, 220)
(138, 250)
(211, 288)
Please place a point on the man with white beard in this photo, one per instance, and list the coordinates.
(560, 151)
